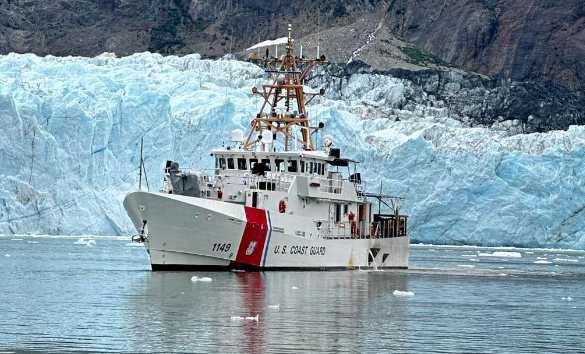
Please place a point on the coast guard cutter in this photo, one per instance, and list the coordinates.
(275, 200)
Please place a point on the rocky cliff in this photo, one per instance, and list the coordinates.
(534, 40)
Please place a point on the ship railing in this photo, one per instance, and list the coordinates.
(327, 185)
(270, 182)
(382, 229)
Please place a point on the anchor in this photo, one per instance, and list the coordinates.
(142, 235)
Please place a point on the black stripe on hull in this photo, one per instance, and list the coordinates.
(218, 268)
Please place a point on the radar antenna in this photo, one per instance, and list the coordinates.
(285, 93)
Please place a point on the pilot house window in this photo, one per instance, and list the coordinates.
(242, 164)
(266, 162)
(230, 163)
(292, 166)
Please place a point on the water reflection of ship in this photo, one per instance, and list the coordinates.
(253, 303)
(331, 313)
(336, 311)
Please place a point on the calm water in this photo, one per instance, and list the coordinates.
(59, 295)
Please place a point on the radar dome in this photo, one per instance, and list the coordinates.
(237, 135)
(267, 137)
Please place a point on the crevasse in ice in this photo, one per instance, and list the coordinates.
(71, 129)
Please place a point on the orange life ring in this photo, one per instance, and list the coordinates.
(282, 206)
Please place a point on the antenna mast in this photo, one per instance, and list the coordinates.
(285, 93)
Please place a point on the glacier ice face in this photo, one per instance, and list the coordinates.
(71, 133)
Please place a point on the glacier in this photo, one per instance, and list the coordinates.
(71, 131)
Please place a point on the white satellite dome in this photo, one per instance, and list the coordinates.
(237, 135)
(267, 137)
(327, 141)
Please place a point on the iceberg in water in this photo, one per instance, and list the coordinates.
(71, 130)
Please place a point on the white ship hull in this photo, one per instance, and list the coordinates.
(197, 233)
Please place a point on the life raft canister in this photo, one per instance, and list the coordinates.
(282, 206)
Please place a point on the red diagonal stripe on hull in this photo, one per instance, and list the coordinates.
(254, 237)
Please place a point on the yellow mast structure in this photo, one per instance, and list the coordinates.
(287, 77)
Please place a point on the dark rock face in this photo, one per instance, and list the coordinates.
(479, 100)
(539, 40)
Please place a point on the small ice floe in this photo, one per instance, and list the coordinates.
(469, 255)
(465, 265)
(541, 261)
(245, 318)
(568, 298)
(6, 255)
(203, 279)
(32, 241)
(502, 254)
(274, 307)
(135, 244)
(503, 275)
(16, 239)
(403, 293)
(543, 258)
(565, 260)
(294, 287)
(90, 242)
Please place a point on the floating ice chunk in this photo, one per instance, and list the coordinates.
(90, 242)
(469, 255)
(403, 293)
(203, 279)
(32, 241)
(135, 244)
(466, 265)
(568, 298)
(15, 239)
(503, 274)
(544, 258)
(542, 262)
(247, 318)
(6, 255)
(274, 307)
(565, 260)
(294, 287)
(502, 254)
